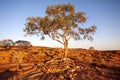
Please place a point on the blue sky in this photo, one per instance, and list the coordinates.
(105, 14)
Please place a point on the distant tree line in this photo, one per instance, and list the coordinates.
(8, 43)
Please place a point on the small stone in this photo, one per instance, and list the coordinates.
(77, 66)
(71, 76)
(61, 77)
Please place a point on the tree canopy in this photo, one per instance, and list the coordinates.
(23, 44)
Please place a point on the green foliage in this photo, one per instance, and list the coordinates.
(61, 21)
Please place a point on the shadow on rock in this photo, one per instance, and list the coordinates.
(7, 75)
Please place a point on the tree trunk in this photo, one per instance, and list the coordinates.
(66, 49)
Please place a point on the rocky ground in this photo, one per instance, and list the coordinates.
(42, 63)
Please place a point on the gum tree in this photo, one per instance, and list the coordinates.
(22, 43)
(61, 24)
(6, 43)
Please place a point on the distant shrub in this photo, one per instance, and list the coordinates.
(91, 48)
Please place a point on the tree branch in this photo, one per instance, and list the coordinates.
(55, 39)
(70, 37)
(60, 36)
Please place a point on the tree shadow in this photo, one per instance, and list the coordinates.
(112, 71)
(5, 75)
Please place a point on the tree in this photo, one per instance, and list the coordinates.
(6, 43)
(61, 23)
(23, 43)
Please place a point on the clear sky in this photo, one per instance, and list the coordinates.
(105, 14)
